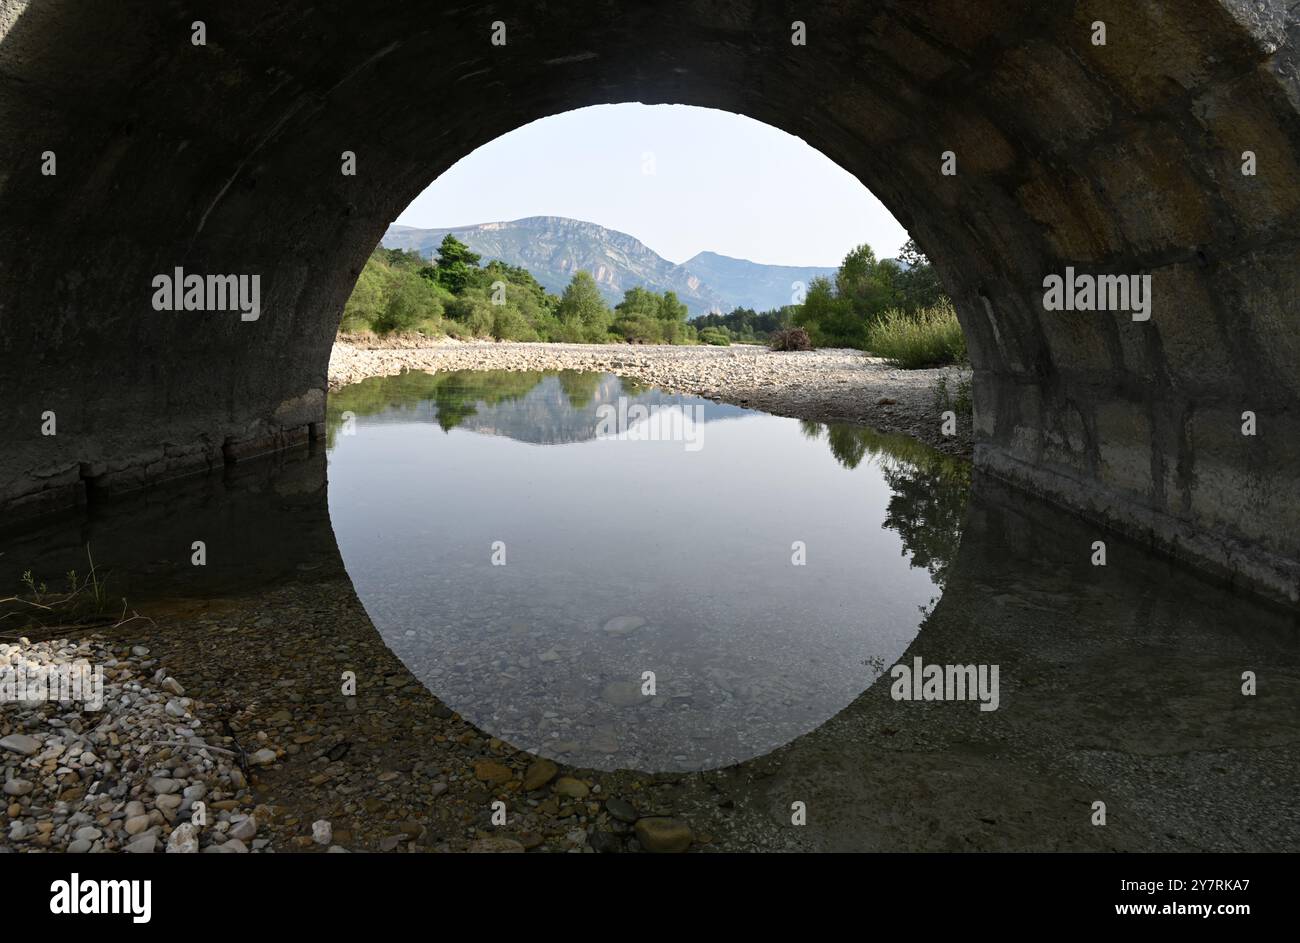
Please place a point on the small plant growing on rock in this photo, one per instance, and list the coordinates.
(86, 601)
(944, 399)
(791, 338)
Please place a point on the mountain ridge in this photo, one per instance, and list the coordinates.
(552, 248)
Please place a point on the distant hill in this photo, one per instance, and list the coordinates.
(748, 284)
(554, 247)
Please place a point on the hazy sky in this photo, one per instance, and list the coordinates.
(680, 179)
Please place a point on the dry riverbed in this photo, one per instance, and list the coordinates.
(829, 385)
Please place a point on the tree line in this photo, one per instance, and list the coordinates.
(875, 305)
(401, 291)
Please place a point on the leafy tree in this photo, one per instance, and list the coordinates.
(829, 319)
(582, 310)
(472, 316)
(866, 283)
(846, 312)
(636, 317)
(367, 301)
(400, 258)
(918, 287)
(520, 284)
(911, 254)
(509, 323)
(457, 265)
(748, 325)
(672, 314)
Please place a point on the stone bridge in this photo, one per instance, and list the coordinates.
(128, 150)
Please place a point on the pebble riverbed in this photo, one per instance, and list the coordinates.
(387, 768)
(129, 770)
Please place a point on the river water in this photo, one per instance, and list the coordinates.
(1140, 684)
(680, 592)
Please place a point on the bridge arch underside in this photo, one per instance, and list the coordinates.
(1117, 159)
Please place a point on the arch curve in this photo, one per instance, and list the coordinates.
(1124, 159)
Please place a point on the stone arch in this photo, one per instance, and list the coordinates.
(1123, 158)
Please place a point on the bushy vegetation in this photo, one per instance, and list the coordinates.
(841, 312)
(870, 304)
(643, 317)
(930, 337)
(398, 291)
(745, 325)
(794, 338)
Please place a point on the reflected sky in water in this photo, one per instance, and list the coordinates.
(626, 557)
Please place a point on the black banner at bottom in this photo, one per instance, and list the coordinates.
(331, 893)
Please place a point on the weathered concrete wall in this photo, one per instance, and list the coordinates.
(224, 158)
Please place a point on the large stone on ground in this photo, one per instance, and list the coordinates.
(492, 772)
(540, 772)
(20, 743)
(663, 835)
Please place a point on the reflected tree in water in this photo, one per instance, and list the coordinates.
(455, 396)
(580, 387)
(541, 407)
(459, 396)
(930, 489)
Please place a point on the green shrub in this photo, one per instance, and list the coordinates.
(715, 336)
(930, 337)
(509, 324)
(413, 300)
(639, 329)
(470, 317)
(962, 404)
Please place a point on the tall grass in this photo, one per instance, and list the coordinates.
(930, 337)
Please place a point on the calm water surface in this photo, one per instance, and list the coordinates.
(624, 556)
(1121, 681)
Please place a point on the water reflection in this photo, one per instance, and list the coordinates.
(656, 607)
(1121, 683)
(541, 408)
(930, 489)
(260, 522)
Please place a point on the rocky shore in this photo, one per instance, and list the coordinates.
(129, 763)
(829, 385)
(389, 769)
(384, 766)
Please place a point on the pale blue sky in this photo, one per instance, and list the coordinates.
(680, 179)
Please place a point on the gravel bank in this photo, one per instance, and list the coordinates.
(385, 766)
(126, 763)
(829, 385)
